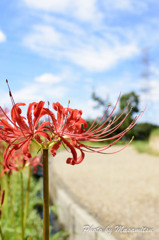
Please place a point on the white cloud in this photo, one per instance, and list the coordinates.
(87, 107)
(95, 54)
(153, 89)
(134, 6)
(122, 4)
(85, 10)
(89, 80)
(105, 93)
(28, 94)
(38, 92)
(34, 92)
(63, 24)
(55, 93)
(5, 99)
(48, 5)
(102, 58)
(102, 91)
(89, 111)
(154, 70)
(48, 78)
(2, 37)
(42, 88)
(43, 37)
(151, 100)
(151, 86)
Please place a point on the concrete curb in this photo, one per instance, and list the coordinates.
(80, 224)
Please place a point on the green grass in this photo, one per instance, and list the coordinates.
(144, 147)
(155, 133)
(10, 220)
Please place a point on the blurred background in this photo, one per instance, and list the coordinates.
(88, 52)
(80, 50)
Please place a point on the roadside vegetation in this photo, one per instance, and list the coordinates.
(142, 131)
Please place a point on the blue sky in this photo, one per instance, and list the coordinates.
(64, 49)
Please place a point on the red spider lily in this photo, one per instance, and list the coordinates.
(67, 128)
(18, 162)
(18, 132)
(70, 125)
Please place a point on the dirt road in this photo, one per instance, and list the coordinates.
(118, 189)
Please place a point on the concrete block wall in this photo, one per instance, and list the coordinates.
(73, 217)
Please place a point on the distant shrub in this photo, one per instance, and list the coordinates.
(144, 130)
(154, 132)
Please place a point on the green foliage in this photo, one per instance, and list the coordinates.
(144, 147)
(155, 132)
(132, 99)
(54, 209)
(144, 130)
(60, 235)
(141, 131)
(11, 215)
(34, 224)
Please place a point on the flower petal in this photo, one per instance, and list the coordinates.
(73, 151)
(54, 148)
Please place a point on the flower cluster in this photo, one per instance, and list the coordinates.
(66, 127)
(18, 162)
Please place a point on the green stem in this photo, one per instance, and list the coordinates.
(45, 195)
(11, 205)
(22, 207)
(27, 197)
(1, 234)
(37, 143)
(7, 196)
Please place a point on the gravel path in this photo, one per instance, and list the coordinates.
(118, 189)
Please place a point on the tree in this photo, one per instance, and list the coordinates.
(141, 131)
(100, 102)
(133, 101)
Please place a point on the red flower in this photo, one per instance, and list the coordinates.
(70, 126)
(18, 162)
(18, 132)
